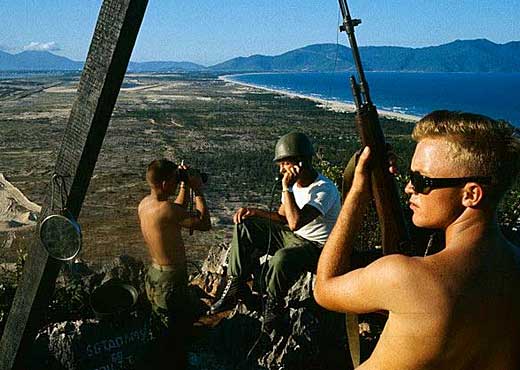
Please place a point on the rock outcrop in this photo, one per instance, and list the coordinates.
(16, 211)
(312, 338)
(87, 340)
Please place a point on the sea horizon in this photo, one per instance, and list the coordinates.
(402, 95)
(406, 94)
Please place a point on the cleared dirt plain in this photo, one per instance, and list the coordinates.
(226, 130)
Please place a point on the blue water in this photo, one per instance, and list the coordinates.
(493, 94)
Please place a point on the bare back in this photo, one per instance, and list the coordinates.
(161, 229)
(456, 310)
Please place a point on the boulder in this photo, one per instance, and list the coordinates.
(90, 340)
(213, 271)
(117, 343)
(313, 337)
(16, 211)
(84, 339)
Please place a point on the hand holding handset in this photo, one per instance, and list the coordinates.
(297, 168)
(291, 175)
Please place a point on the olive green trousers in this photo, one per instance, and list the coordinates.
(167, 293)
(291, 254)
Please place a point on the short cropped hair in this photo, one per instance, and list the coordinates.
(480, 145)
(160, 170)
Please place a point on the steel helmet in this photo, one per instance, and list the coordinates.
(293, 144)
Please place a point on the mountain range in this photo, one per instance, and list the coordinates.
(479, 55)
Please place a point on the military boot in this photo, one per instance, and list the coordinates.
(235, 289)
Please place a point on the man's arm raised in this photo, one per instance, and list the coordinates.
(296, 217)
(201, 221)
(365, 289)
(183, 196)
(288, 213)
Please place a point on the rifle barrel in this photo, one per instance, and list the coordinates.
(348, 26)
(355, 92)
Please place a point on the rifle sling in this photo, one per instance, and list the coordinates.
(352, 325)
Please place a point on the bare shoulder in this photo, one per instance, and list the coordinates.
(163, 210)
(170, 210)
(401, 279)
(143, 205)
(382, 285)
(398, 271)
(171, 213)
(396, 268)
(144, 201)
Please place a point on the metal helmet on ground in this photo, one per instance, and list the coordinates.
(293, 144)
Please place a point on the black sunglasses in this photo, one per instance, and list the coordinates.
(422, 184)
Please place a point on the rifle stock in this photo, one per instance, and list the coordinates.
(384, 188)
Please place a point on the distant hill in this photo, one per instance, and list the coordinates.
(318, 57)
(458, 56)
(164, 67)
(37, 61)
(45, 61)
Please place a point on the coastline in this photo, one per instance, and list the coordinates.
(332, 105)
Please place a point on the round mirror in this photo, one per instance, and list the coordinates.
(61, 237)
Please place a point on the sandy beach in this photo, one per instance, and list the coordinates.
(333, 105)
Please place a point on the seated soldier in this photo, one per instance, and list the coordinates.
(166, 282)
(458, 308)
(294, 234)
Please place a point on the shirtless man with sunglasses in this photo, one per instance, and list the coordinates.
(458, 308)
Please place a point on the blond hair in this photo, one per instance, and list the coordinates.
(480, 145)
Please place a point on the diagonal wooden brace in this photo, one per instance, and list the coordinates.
(114, 38)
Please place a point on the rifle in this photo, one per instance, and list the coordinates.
(384, 188)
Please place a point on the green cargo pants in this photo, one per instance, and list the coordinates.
(292, 254)
(172, 315)
(167, 293)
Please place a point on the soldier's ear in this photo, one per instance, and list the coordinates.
(472, 195)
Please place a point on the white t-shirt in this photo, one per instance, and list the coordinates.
(323, 195)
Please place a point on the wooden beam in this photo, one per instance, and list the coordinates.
(114, 38)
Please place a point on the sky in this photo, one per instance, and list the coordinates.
(208, 32)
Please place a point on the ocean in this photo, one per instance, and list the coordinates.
(496, 95)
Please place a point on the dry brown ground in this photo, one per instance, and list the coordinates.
(227, 130)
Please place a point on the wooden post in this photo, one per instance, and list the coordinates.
(114, 38)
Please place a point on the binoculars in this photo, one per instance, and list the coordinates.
(182, 174)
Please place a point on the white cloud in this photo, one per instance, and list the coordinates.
(42, 46)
